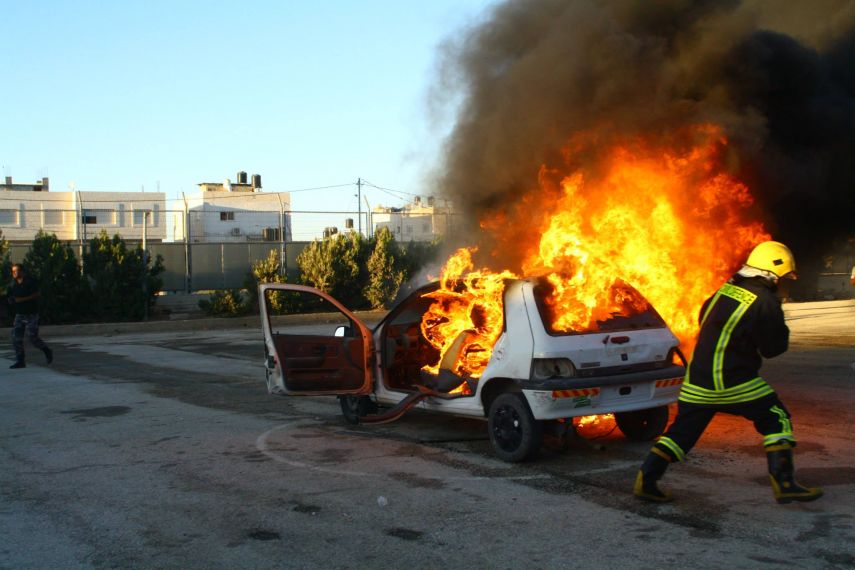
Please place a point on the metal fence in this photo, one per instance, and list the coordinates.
(213, 248)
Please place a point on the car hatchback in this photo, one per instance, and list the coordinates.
(630, 366)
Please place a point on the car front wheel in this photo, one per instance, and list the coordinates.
(643, 425)
(355, 407)
(514, 433)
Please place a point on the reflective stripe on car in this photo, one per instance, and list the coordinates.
(575, 393)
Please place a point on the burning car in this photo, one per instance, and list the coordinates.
(508, 362)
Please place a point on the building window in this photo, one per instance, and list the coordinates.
(53, 217)
(89, 218)
(139, 216)
(9, 217)
(227, 216)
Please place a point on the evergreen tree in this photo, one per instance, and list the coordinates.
(337, 265)
(5, 280)
(384, 274)
(64, 295)
(124, 284)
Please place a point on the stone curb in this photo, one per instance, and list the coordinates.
(203, 324)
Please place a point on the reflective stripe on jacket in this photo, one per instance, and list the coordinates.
(740, 324)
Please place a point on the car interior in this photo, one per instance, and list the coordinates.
(405, 351)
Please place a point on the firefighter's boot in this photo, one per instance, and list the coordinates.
(653, 468)
(782, 476)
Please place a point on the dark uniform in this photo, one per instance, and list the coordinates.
(742, 323)
(26, 320)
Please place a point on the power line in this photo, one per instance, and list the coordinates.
(367, 183)
(398, 194)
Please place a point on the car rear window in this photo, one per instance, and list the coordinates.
(636, 312)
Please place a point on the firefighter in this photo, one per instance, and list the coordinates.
(742, 322)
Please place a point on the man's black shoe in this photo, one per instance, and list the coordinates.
(48, 355)
(18, 364)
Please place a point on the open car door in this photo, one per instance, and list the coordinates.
(324, 350)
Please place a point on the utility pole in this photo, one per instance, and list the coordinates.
(359, 202)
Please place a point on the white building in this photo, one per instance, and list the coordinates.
(235, 212)
(414, 222)
(72, 216)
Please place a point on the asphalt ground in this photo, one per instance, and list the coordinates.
(156, 445)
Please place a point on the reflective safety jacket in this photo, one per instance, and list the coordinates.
(740, 323)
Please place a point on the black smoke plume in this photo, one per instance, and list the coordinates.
(778, 77)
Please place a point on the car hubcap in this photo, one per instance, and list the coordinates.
(507, 428)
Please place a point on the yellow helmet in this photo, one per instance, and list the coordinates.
(773, 256)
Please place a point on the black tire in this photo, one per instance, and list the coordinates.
(514, 433)
(355, 407)
(643, 425)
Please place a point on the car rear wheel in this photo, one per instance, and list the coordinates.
(514, 433)
(643, 425)
(355, 407)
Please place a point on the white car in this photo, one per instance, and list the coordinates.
(631, 366)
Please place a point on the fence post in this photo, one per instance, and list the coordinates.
(187, 265)
(145, 264)
(78, 212)
(281, 235)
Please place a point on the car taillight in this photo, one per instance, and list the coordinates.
(546, 368)
(675, 356)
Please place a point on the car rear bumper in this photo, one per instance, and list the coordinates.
(603, 395)
(669, 372)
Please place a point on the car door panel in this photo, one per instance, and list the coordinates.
(312, 363)
(315, 364)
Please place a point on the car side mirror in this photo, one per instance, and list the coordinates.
(343, 331)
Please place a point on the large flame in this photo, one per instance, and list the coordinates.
(670, 222)
(467, 309)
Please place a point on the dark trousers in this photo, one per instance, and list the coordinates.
(28, 324)
(771, 419)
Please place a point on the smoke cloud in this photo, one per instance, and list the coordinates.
(778, 77)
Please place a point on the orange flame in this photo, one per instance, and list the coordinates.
(466, 315)
(670, 222)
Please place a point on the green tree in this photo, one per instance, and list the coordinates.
(267, 270)
(384, 272)
(124, 284)
(417, 254)
(5, 279)
(337, 265)
(53, 264)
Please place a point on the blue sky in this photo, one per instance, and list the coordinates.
(117, 96)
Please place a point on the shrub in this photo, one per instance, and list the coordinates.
(228, 303)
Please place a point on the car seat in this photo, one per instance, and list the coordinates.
(447, 379)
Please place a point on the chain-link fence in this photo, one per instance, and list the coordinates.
(214, 248)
